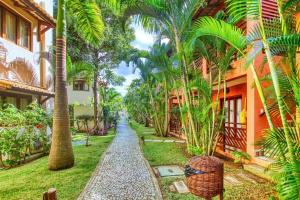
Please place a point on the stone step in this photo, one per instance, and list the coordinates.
(258, 171)
(181, 187)
(231, 180)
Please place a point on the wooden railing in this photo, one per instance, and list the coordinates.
(233, 137)
(175, 126)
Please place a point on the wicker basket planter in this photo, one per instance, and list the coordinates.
(205, 176)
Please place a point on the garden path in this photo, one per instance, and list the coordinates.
(123, 173)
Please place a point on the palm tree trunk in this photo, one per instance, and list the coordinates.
(185, 88)
(61, 152)
(156, 120)
(166, 120)
(95, 93)
(281, 104)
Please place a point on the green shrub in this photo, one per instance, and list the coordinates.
(240, 157)
(22, 133)
(195, 151)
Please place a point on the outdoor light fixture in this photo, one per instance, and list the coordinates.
(261, 112)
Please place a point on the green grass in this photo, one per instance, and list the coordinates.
(146, 132)
(28, 182)
(175, 154)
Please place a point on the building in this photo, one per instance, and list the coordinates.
(26, 35)
(80, 98)
(238, 134)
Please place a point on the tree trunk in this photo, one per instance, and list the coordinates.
(95, 93)
(166, 120)
(61, 152)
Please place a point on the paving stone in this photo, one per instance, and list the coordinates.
(172, 188)
(169, 140)
(123, 172)
(170, 171)
(181, 187)
(246, 178)
(232, 180)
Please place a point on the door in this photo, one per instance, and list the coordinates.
(234, 135)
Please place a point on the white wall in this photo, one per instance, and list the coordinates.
(79, 97)
(15, 51)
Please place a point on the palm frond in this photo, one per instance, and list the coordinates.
(88, 20)
(23, 71)
(285, 40)
(274, 142)
(218, 28)
(240, 9)
(289, 3)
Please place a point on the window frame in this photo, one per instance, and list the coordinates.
(83, 90)
(3, 33)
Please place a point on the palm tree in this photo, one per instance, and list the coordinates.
(173, 20)
(90, 27)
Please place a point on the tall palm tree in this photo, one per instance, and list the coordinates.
(90, 26)
(173, 20)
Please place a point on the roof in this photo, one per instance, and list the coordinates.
(35, 9)
(21, 87)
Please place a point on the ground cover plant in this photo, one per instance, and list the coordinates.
(31, 180)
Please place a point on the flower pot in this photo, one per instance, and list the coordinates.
(205, 176)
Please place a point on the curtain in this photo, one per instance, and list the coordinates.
(11, 26)
(24, 33)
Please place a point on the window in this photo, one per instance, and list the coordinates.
(15, 28)
(24, 30)
(80, 85)
(11, 26)
(233, 109)
(20, 101)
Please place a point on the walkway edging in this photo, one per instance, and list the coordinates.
(80, 197)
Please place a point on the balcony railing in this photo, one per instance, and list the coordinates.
(233, 137)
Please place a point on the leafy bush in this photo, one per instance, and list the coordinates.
(196, 151)
(22, 133)
(240, 157)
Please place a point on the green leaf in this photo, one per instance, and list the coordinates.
(88, 20)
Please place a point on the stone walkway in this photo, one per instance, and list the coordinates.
(123, 173)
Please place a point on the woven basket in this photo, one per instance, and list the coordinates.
(210, 183)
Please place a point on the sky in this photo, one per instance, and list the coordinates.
(143, 41)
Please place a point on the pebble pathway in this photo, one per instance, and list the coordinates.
(123, 173)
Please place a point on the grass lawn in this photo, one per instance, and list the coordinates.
(175, 154)
(28, 182)
(146, 132)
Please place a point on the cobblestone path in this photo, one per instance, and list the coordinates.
(123, 172)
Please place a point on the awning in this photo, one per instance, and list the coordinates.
(36, 10)
(21, 87)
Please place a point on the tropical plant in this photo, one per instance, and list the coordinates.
(137, 102)
(90, 26)
(274, 40)
(85, 119)
(97, 64)
(23, 133)
(240, 157)
(171, 19)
